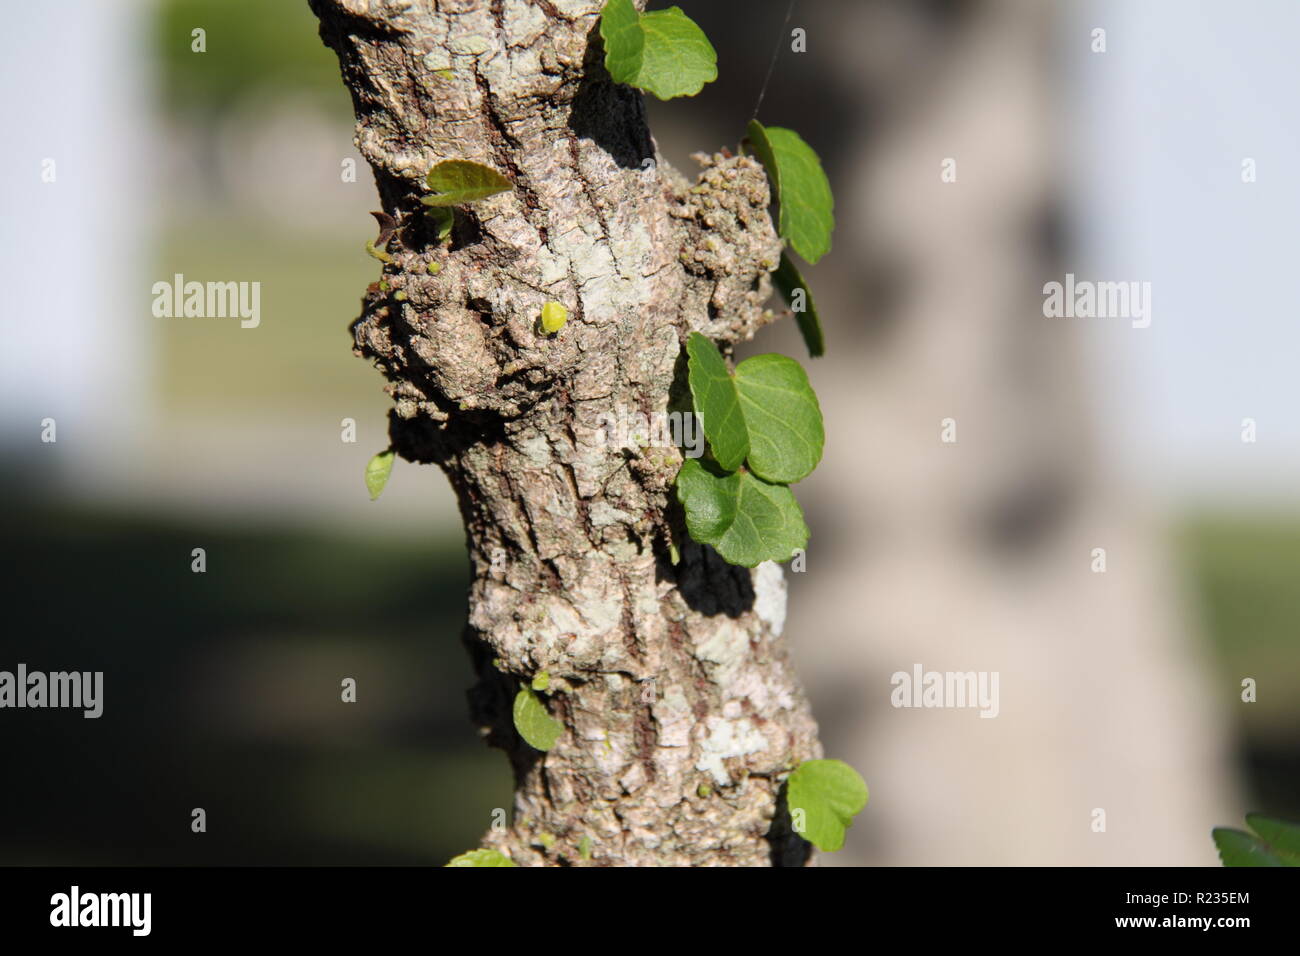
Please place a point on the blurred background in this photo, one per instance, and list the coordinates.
(134, 158)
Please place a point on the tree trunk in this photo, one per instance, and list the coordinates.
(681, 713)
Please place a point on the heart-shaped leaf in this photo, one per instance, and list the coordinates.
(823, 797)
(662, 52)
(746, 520)
(767, 413)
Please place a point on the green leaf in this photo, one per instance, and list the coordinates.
(442, 220)
(801, 187)
(782, 417)
(747, 520)
(1274, 843)
(620, 29)
(717, 402)
(377, 471)
(541, 680)
(662, 52)
(482, 858)
(790, 284)
(829, 793)
(1282, 835)
(1238, 848)
(532, 721)
(458, 181)
(767, 412)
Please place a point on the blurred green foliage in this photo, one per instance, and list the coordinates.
(253, 47)
(1247, 576)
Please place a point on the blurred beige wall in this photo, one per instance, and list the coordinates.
(978, 555)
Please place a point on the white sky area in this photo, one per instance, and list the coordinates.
(1159, 126)
(71, 251)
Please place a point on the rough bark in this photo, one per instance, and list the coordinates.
(681, 712)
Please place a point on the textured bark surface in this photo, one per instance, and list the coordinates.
(681, 712)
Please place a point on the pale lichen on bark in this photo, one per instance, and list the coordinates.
(680, 709)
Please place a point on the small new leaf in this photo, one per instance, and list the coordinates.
(458, 181)
(746, 520)
(378, 253)
(554, 317)
(829, 793)
(807, 207)
(532, 721)
(482, 858)
(661, 52)
(442, 219)
(377, 471)
(799, 298)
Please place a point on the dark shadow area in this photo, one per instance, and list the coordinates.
(710, 585)
(1274, 770)
(491, 705)
(788, 847)
(609, 115)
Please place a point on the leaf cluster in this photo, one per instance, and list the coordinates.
(765, 432)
